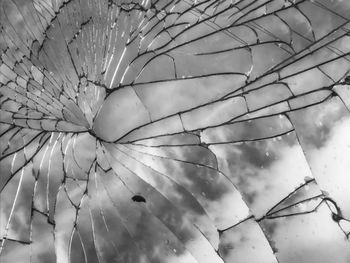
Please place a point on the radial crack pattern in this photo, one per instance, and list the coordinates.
(175, 131)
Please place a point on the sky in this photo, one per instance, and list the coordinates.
(200, 131)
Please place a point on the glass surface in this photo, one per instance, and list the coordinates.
(175, 131)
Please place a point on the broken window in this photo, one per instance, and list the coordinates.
(175, 131)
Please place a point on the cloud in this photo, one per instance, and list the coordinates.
(309, 238)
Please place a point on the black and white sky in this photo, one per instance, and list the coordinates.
(192, 131)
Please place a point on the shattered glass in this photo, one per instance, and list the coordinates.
(175, 131)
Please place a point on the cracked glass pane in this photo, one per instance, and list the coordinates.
(175, 131)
